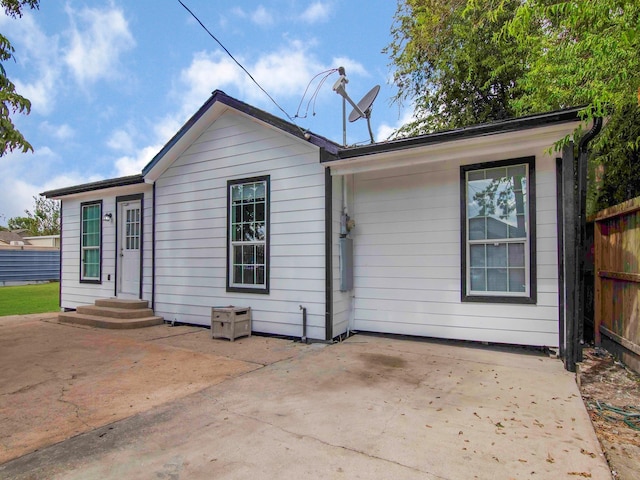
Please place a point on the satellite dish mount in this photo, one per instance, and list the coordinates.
(362, 109)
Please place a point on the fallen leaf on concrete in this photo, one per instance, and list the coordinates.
(580, 474)
(550, 459)
(585, 452)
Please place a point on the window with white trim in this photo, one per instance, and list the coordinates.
(498, 242)
(248, 235)
(91, 241)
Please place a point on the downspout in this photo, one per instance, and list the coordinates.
(303, 339)
(153, 250)
(581, 248)
(60, 259)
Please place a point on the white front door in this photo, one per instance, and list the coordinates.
(129, 244)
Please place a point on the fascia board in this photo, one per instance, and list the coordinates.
(493, 145)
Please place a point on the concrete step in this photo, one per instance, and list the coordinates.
(121, 303)
(115, 312)
(107, 322)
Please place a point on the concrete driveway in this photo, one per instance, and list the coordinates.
(370, 407)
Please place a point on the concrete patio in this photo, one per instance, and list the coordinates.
(169, 402)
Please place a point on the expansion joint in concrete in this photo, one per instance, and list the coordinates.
(342, 447)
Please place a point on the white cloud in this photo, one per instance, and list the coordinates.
(61, 132)
(24, 176)
(40, 53)
(207, 72)
(262, 17)
(98, 38)
(133, 164)
(121, 141)
(351, 67)
(385, 131)
(317, 12)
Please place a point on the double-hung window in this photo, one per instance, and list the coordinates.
(248, 235)
(91, 240)
(498, 237)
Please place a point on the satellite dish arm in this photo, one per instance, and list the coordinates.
(338, 87)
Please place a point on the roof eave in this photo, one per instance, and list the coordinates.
(93, 186)
(503, 126)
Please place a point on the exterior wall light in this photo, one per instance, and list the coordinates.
(107, 217)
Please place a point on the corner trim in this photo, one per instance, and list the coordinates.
(328, 245)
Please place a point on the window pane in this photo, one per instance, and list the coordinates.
(260, 275)
(478, 282)
(247, 277)
(247, 232)
(495, 173)
(236, 214)
(496, 210)
(477, 255)
(518, 171)
(516, 255)
(236, 232)
(248, 257)
(497, 255)
(477, 229)
(91, 263)
(248, 212)
(260, 230)
(249, 193)
(516, 280)
(497, 280)
(236, 193)
(260, 212)
(260, 192)
(496, 228)
(520, 229)
(475, 175)
(237, 274)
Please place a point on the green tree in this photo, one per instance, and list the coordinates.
(470, 61)
(587, 54)
(12, 102)
(450, 60)
(45, 219)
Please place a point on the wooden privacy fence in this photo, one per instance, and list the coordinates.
(617, 280)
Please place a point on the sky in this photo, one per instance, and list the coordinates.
(111, 81)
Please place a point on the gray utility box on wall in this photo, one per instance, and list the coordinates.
(346, 264)
(230, 322)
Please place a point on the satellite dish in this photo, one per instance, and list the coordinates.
(360, 110)
(364, 105)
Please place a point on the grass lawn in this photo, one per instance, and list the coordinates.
(26, 299)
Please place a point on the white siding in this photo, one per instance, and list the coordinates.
(407, 258)
(191, 228)
(75, 293)
(342, 301)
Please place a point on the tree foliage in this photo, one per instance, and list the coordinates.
(469, 61)
(45, 219)
(12, 102)
(450, 60)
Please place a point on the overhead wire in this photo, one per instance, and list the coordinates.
(240, 65)
(313, 96)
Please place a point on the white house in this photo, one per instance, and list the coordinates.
(451, 235)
